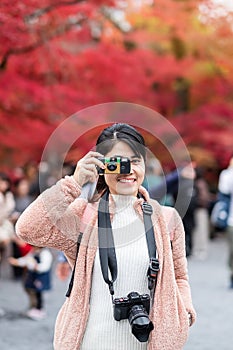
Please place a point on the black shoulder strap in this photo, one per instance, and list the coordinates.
(151, 244)
(76, 257)
(153, 268)
(107, 252)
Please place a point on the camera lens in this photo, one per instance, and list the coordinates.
(140, 323)
(112, 166)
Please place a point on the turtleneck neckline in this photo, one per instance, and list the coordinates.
(122, 200)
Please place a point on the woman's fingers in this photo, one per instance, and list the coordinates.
(86, 169)
(92, 158)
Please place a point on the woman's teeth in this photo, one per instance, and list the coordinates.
(126, 180)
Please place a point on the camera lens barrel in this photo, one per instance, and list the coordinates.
(140, 323)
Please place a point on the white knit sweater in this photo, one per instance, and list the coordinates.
(103, 332)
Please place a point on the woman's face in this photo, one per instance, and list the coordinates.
(23, 188)
(4, 185)
(126, 184)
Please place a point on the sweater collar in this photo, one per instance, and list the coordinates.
(137, 203)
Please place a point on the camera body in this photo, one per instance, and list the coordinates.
(122, 306)
(115, 165)
(135, 308)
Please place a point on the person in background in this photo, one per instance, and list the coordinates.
(31, 173)
(154, 173)
(164, 190)
(7, 205)
(184, 193)
(158, 184)
(22, 201)
(38, 265)
(201, 232)
(225, 186)
(59, 216)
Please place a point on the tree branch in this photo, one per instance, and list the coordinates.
(40, 12)
(60, 31)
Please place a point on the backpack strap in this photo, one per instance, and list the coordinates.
(76, 258)
(82, 228)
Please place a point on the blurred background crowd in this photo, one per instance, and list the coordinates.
(22, 185)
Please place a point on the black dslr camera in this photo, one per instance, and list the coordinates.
(135, 308)
(115, 165)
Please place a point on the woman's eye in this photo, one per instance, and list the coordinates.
(135, 161)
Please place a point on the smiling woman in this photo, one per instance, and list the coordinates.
(123, 234)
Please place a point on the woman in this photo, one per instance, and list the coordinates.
(57, 217)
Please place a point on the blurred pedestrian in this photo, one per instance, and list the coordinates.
(38, 264)
(225, 186)
(157, 183)
(201, 232)
(154, 173)
(7, 205)
(187, 193)
(22, 200)
(186, 202)
(31, 172)
(164, 190)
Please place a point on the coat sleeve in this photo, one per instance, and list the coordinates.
(53, 219)
(177, 236)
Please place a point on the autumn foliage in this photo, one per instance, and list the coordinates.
(58, 57)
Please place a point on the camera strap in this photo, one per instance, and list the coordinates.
(107, 252)
(153, 268)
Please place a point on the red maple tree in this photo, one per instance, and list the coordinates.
(58, 57)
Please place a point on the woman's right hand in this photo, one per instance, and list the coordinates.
(86, 169)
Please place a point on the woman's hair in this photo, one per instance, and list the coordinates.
(113, 134)
(121, 132)
(5, 177)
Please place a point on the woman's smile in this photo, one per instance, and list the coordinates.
(126, 180)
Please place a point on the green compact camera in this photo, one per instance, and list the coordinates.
(115, 165)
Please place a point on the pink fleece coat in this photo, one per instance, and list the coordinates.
(55, 219)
